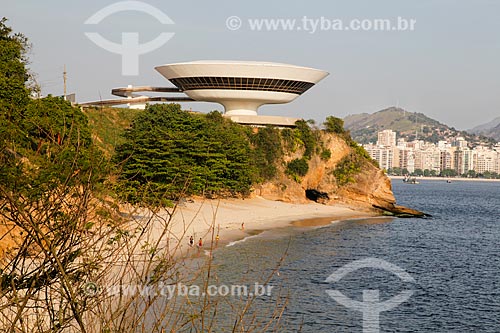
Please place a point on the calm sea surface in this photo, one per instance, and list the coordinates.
(453, 257)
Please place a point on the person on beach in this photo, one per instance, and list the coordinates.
(216, 239)
(243, 226)
(191, 241)
(200, 243)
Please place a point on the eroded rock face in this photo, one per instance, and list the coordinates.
(371, 189)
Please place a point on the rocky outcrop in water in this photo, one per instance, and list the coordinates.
(370, 189)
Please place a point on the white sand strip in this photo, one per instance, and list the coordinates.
(235, 219)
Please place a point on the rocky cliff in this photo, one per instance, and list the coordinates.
(368, 189)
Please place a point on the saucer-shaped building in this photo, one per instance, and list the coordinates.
(242, 86)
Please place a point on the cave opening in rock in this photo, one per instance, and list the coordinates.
(316, 196)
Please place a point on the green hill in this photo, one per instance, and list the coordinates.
(108, 125)
(409, 125)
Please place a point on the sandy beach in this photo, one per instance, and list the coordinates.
(234, 219)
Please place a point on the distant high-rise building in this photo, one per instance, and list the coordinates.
(406, 159)
(459, 142)
(464, 160)
(497, 164)
(443, 144)
(485, 160)
(451, 153)
(446, 159)
(386, 138)
(387, 157)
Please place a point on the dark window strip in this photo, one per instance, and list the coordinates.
(241, 83)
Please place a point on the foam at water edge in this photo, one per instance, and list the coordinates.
(241, 240)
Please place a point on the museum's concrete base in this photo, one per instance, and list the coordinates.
(261, 121)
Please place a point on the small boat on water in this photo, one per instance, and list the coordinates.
(410, 180)
(448, 181)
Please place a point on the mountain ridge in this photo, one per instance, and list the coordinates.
(407, 124)
(491, 129)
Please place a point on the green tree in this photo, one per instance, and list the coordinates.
(297, 167)
(13, 72)
(57, 148)
(395, 171)
(326, 154)
(334, 125)
(267, 151)
(487, 174)
(14, 96)
(347, 168)
(307, 137)
(418, 172)
(448, 173)
(42, 142)
(169, 153)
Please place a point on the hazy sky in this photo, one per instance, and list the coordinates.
(447, 68)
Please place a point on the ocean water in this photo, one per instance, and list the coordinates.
(453, 259)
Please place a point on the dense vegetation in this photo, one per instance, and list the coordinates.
(44, 142)
(169, 153)
(49, 170)
(297, 168)
(108, 126)
(14, 95)
(352, 163)
(266, 152)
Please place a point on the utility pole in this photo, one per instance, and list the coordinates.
(65, 78)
